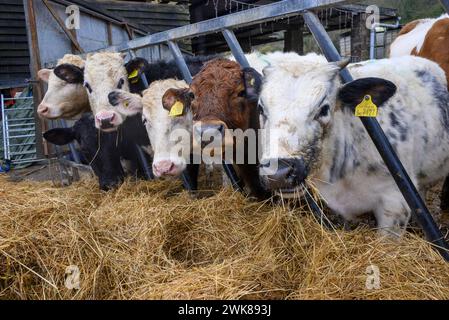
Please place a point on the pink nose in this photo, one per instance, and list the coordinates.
(105, 119)
(164, 167)
(43, 109)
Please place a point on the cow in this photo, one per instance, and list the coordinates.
(315, 138)
(65, 97)
(426, 38)
(222, 97)
(106, 152)
(163, 129)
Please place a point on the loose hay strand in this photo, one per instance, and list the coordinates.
(151, 240)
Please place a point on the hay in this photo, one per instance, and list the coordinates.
(151, 240)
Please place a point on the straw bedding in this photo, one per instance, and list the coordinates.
(151, 240)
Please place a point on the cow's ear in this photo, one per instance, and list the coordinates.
(44, 74)
(135, 68)
(69, 73)
(253, 84)
(60, 136)
(354, 92)
(172, 96)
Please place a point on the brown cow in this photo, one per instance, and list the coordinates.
(224, 96)
(426, 38)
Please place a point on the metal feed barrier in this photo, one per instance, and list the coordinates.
(285, 9)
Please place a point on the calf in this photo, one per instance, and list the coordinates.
(104, 152)
(163, 129)
(65, 97)
(316, 138)
(222, 97)
(426, 38)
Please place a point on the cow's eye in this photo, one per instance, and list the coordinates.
(191, 95)
(88, 87)
(242, 94)
(120, 83)
(324, 111)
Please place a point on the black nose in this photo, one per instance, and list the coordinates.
(113, 98)
(290, 174)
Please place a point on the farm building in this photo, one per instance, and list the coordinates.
(70, 231)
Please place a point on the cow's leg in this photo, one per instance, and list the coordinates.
(392, 214)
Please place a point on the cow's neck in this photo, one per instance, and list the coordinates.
(340, 152)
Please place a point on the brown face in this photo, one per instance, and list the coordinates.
(222, 96)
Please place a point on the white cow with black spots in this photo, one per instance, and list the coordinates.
(316, 137)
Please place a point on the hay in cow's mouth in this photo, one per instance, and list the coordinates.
(151, 240)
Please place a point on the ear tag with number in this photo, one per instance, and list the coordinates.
(366, 108)
(133, 76)
(177, 109)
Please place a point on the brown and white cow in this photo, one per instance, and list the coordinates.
(426, 38)
(65, 97)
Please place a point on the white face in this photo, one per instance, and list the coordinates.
(297, 106)
(62, 99)
(170, 137)
(105, 72)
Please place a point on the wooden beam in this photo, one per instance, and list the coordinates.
(41, 144)
(62, 25)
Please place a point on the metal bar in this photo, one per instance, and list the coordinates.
(445, 4)
(63, 27)
(22, 136)
(5, 124)
(19, 109)
(180, 62)
(146, 168)
(235, 47)
(281, 9)
(23, 152)
(408, 190)
(19, 98)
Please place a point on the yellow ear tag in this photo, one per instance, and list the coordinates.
(177, 109)
(133, 76)
(366, 108)
(126, 104)
(252, 81)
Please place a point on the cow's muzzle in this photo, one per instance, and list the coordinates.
(206, 132)
(289, 175)
(106, 120)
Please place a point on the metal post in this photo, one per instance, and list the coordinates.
(372, 48)
(445, 4)
(180, 62)
(5, 124)
(235, 47)
(408, 190)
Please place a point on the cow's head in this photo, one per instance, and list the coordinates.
(103, 73)
(299, 102)
(65, 96)
(101, 153)
(222, 96)
(170, 135)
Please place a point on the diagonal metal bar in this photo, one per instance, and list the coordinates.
(445, 4)
(269, 12)
(235, 47)
(394, 165)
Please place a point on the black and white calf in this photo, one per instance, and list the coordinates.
(316, 138)
(113, 155)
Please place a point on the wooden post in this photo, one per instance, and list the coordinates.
(35, 66)
(360, 36)
(294, 39)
